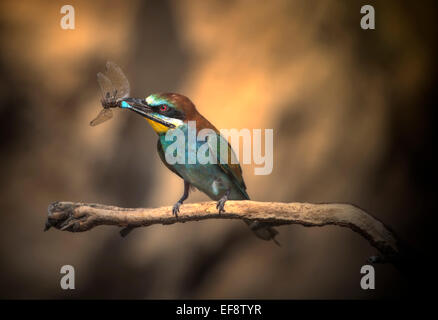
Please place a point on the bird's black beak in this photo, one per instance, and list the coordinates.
(142, 108)
(137, 105)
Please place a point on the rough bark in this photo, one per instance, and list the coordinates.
(78, 217)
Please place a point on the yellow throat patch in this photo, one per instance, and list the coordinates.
(158, 127)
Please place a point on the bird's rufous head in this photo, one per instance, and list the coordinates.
(163, 111)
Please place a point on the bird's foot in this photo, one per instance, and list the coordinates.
(175, 209)
(221, 203)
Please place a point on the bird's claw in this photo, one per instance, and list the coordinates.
(221, 205)
(175, 209)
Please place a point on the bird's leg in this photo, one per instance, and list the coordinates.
(221, 203)
(176, 206)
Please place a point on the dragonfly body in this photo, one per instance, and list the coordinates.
(114, 88)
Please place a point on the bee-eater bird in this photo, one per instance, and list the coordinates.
(219, 181)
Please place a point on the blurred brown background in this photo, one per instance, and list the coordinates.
(352, 113)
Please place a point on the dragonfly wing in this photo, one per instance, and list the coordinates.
(114, 86)
(118, 79)
(104, 115)
(105, 84)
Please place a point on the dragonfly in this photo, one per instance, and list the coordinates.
(114, 87)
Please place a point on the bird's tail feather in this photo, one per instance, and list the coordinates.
(263, 231)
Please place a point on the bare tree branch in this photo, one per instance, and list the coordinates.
(77, 217)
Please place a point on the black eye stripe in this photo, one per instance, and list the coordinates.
(170, 112)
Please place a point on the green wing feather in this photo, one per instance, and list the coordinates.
(232, 167)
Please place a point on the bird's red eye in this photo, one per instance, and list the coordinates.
(164, 108)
